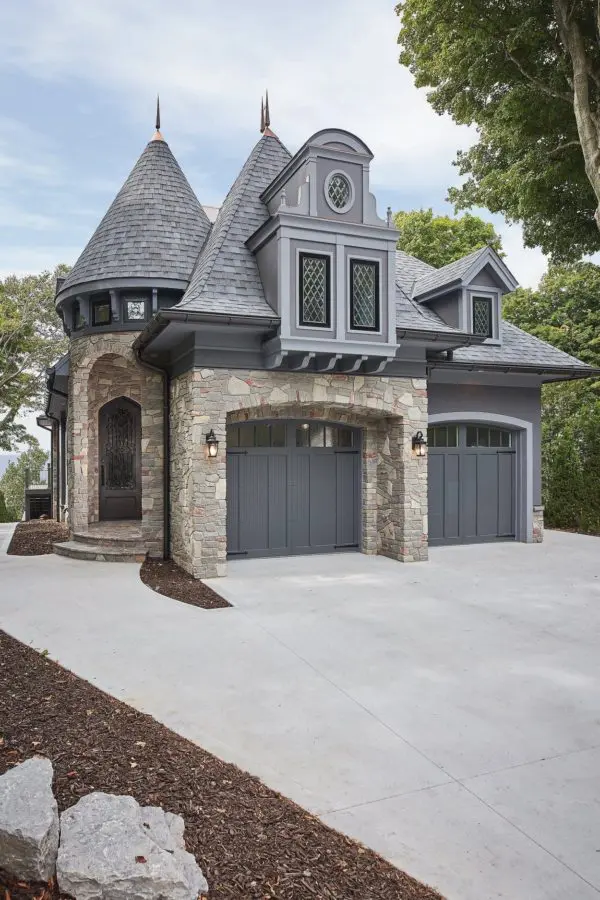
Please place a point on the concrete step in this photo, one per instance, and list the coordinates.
(123, 542)
(96, 552)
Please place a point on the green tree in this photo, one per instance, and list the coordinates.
(565, 311)
(31, 338)
(527, 75)
(5, 515)
(12, 483)
(439, 240)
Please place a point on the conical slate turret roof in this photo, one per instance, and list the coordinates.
(154, 228)
(226, 279)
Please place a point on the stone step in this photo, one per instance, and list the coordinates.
(96, 539)
(96, 552)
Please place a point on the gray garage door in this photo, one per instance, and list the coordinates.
(471, 484)
(292, 487)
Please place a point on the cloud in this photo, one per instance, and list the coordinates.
(331, 63)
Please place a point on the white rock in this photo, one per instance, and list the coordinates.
(111, 848)
(28, 821)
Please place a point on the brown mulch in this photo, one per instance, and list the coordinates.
(15, 889)
(252, 843)
(167, 578)
(36, 537)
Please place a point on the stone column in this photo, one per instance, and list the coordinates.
(538, 524)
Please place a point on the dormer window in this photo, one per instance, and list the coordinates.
(314, 290)
(364, 295)
(483, 321)
(339, 192)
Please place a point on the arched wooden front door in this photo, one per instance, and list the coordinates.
(120, 460)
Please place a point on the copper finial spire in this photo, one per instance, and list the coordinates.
(267, 113)
(157, 136)
(262, 115)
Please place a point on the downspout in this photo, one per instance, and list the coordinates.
(166, 451)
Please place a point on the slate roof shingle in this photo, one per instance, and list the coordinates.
(226, 279)
(518, 348)
(409, 269)
(154, 228)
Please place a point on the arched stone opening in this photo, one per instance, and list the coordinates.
(388, 412)
(103, 368)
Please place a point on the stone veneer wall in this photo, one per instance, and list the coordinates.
(538, 524)
(102, 368)
(389, 410)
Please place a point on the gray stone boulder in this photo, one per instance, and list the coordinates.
(28, 821)
(111, 848)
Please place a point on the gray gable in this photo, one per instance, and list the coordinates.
(519, 348)
(448, 274)
(154, 228)
(226, 279)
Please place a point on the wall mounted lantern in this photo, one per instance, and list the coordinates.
(212, 444)
(419, 444)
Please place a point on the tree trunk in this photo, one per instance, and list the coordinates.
(585, 117)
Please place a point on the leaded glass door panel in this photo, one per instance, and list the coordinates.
(119, 460)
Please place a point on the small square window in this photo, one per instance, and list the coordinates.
(262, 436)
(233, 436)
(471, 436)
(135, 310)
(101, 313)
(247, 436)
(278, 435)
(345, 437)
(482, 316)
(317, 436)
(302, 434)
(483, 437)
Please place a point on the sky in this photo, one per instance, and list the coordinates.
(78, 85)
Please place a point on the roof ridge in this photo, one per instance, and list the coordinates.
(229, 214)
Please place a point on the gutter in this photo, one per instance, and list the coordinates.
(166, 380)
(164, 316)
(565, 372)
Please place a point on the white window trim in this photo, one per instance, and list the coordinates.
(350, 203)
(364, 331)
(318, 328)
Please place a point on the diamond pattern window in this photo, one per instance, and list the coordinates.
(339, 191)
(315, 290)
(364, 295)
(482, 316)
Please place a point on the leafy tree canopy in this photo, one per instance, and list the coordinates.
(12, 483)
(439, 240)
(527, 75)
(565, 311)
(31, 339)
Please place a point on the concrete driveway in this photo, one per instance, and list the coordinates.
(446, 714)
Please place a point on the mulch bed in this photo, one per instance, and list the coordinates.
(35, 538)
(252, 843)
(167, 578)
